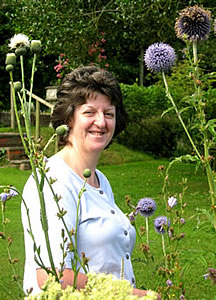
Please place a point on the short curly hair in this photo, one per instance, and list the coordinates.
(75, 89)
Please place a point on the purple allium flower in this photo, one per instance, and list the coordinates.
(182, 297)
(212, 274)
(3, 197)
(161, 224)
(159, 57)
(193, 24)
(131, 217)
(172, 201)
(182, 221)
(13, 193)
(169, 282)
(146, 207)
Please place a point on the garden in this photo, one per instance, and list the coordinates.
(161, 167)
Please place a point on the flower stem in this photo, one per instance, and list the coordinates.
(147, 231)
(164, 250)
(169, 96)
(31, 86)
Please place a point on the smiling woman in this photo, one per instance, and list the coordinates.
(90, 105)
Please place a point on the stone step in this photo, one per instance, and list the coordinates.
(10, 139)
(13, 153)
(22, 164)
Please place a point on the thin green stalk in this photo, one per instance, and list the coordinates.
(179, 116)
(147, 231)
(209, 173)
(49, 142)
(76, 231)
(31, 86)
(164, 250)
(17, 116)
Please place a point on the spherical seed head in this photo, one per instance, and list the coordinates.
(146, 207)
(161, 224)
(193, 24)
(10, 59)
(62, 130)
(87, 173)
(17, 86)
(21, 51)
(159, 57)
(36, 46)
(9, 68)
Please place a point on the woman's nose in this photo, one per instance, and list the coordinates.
(100, 120)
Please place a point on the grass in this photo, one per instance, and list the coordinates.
(134, 174)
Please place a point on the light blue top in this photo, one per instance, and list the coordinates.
(105, 234)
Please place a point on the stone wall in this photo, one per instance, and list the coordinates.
(5, 119)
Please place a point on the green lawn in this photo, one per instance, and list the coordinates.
(137, 175)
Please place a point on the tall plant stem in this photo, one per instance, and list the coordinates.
(209, 173)
(147, 232)
(164, 249)
(40, 193)
(169, 96)
(31, 86)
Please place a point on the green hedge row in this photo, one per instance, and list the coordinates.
(147, 131)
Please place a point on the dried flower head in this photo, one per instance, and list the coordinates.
(146, 207)
(193, 24)
(18, 41)
(159, 57)
(161, 224)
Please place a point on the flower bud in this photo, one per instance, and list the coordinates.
(36, 46)
(62, 130)
(10, 59)
(87, 173)
(20, 51)
(17, 86)
(9, 68)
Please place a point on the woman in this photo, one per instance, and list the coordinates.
(90, 103)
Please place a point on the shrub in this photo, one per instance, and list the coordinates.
(156, 135)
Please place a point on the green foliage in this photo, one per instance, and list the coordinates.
(155, 135)
(98, 287)
(147, 131)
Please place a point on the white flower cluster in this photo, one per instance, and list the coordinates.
(99, 287)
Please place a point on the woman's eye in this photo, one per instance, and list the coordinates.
(88, 112)
(109, 115)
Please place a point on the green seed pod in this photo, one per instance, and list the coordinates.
(10, 59)
(36, 46)
(62, 130)
(87, 173)
(17, 86)
(20, 51)
(9, 68)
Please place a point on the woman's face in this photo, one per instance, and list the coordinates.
(93, 124)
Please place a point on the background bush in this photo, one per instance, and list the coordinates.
(147, 131)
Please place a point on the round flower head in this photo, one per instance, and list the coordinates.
(146, 207)
(161, 224)
(159, 57)
(18, 41)
(193, 24)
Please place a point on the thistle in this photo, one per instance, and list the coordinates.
(159, 57)
(193, 24)
(146, 207)
(161, 224)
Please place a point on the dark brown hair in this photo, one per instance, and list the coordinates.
(75, 89)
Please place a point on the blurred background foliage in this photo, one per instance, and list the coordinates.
(127, 28)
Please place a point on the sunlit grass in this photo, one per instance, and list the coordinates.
(137, 175)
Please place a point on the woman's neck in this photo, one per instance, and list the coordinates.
(78, 162)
